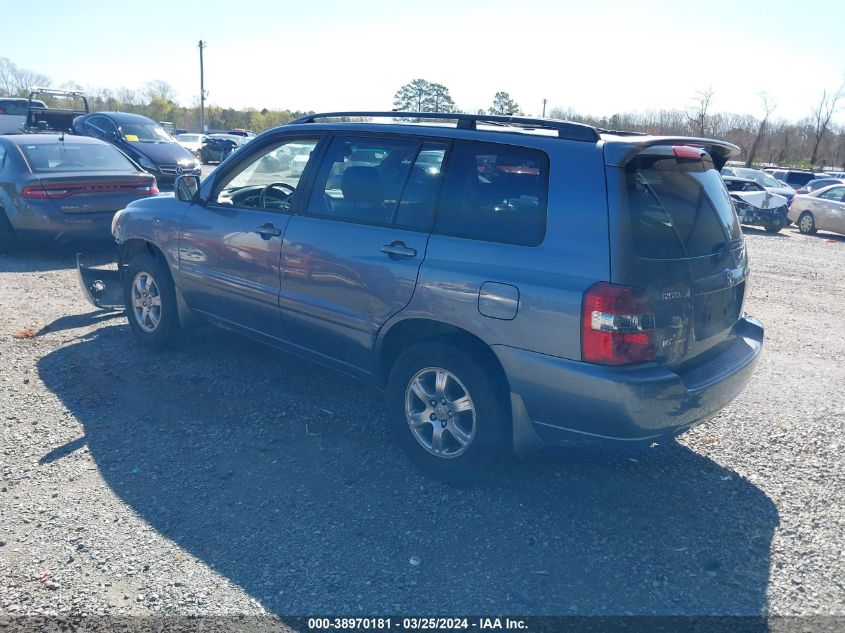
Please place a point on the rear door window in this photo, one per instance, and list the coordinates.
(836, 194)
(13, 107)
(679, 208)
(495, 193)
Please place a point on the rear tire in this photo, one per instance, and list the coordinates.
(466, 431)
(773, 226)
(150, 300)
(807, 223)
(8, 241)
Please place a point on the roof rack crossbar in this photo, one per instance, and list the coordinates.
(464, 121)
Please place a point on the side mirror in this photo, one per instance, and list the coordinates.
(187, 187)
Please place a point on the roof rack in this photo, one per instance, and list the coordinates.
(601, 130)
(565, 129)
(55, 92)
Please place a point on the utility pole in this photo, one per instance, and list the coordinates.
(202, 91)
(544, 108)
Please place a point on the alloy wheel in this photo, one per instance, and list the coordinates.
(440, 412)
(146, 302)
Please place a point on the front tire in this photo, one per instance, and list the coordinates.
(807, 223)
(773, 226)
(448, 411)
(150, 300)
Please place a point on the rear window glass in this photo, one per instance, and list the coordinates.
(18, 107)
(80, 157)
(797, 178)
(678, 208)
(496, 193)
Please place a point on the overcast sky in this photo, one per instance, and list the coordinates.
(595, 57)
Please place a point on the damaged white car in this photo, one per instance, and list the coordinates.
(757, 207)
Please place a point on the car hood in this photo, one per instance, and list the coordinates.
(158, 153)
(761, 199)
(781, 191)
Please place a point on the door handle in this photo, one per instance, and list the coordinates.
(266, 231)
(398, 249)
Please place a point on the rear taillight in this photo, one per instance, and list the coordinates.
(54, 191)
(617, 325)
(39, 192)
(149, 189)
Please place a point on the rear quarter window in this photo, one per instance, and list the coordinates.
(13, 107)
(678, 208)
(495, 193)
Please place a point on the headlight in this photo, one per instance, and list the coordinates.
(145, 163)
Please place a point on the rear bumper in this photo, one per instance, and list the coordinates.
(567, 400)
(43, 225)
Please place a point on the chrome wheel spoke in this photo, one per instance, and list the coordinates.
(155, 301)
(437, 438)
(419, 420)
(418, 389)
(440, 381)
(460, 437)
(461, 404)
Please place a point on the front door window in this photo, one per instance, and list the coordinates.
(269, 180)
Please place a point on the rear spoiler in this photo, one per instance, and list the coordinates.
(619, 152)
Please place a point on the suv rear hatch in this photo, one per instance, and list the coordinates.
(676, 236)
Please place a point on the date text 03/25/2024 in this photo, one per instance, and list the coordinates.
(421, 624)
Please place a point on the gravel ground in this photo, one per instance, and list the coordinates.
(226, 478)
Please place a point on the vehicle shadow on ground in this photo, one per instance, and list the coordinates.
(42, 259)
(753, 230)
(74, 321)
(281, 476)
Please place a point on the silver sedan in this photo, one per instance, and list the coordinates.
(821, 210)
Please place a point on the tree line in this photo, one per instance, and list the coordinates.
(813, 141)
(156, 100)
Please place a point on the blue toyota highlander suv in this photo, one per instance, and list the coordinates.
(509, 282)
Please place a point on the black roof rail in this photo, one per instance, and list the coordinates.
(620, 132)
(565, 129)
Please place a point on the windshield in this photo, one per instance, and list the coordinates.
(79, 157)
(188, 138)
(144, 133)
(760, 177)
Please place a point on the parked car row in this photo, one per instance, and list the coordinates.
(760, 199)
(214, 148)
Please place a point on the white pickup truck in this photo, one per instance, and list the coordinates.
(13, 113)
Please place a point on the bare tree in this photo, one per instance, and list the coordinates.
(16, 81)
(697, 116)
(159, 90)
(768, 107)
(822, 115)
